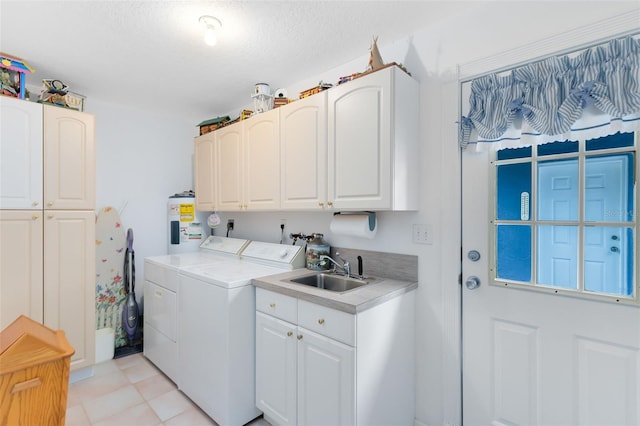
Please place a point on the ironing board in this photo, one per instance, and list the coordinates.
(110, 295)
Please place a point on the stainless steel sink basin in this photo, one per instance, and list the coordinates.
(331, 282)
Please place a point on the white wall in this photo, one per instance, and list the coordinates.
(143, 158)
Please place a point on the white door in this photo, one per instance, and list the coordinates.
(534, 357)
(326, 381)
(276, 362)
(70, 280)
(20, 154)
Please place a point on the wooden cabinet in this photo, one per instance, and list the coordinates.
(47, 266)
(21, 155)
(34, 374)
(317, 365)
(303, 153)
(373, 142)
(21, 275)
(205, 177)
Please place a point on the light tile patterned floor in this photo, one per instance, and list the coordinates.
(131, 391)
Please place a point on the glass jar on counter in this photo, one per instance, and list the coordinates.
(315, 248)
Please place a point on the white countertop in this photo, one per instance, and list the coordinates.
(352, 301)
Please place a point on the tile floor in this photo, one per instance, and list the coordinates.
(131, 391)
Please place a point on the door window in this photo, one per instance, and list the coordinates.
(564, 218)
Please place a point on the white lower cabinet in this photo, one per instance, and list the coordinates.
(320, 366)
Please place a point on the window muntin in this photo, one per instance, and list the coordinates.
(564, 218)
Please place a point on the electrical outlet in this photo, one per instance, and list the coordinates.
(230, 224)
(422, 234)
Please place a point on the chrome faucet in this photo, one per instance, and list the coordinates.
(346, 268)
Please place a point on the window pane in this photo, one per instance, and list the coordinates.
(618, 140)
(558, 148)
(511, 153)
(557, 254)
(558, 190)
(513, 252)
(608, 260)
(609, 181)
(513, 180)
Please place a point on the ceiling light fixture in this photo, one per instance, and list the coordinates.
(212, 25)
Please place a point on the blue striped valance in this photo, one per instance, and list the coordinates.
(593, 94)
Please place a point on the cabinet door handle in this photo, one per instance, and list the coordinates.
(321, 321)
(299, 336)
(50, 203)
(272, 305)
(320, 204)
(35, 216)
(35, 203)
(159, 293)
(330, 203)
(289, 333)
(49, 216)
(23, 386)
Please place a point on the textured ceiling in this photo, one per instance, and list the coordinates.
(150, 54)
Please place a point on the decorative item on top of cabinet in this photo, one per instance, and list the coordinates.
(12, 73)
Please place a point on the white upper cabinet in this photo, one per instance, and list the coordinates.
(262, 162)
(303, 153)
(229, 168)
(204, 173)
(69, 159)
(352, 147)
(20, 154)
(248, 164)
(373, 142)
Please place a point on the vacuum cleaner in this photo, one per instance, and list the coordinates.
(130, 311)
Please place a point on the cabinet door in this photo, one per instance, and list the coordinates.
(20, 265)
(262, 161)
(276, 369)
(229, 168)
(359, 150)
(326, 380)
(204, 172)
(69, 159)
(20, 154)
(69, 280)
(303, 156)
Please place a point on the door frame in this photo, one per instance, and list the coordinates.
(567, 42)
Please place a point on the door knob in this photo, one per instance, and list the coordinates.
(615, 249)
(472, 283)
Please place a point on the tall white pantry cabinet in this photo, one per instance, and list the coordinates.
(47, 220)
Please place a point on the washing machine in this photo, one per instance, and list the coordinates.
(160, 297)
(217, 329)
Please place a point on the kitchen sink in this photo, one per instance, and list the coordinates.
(331, 282)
